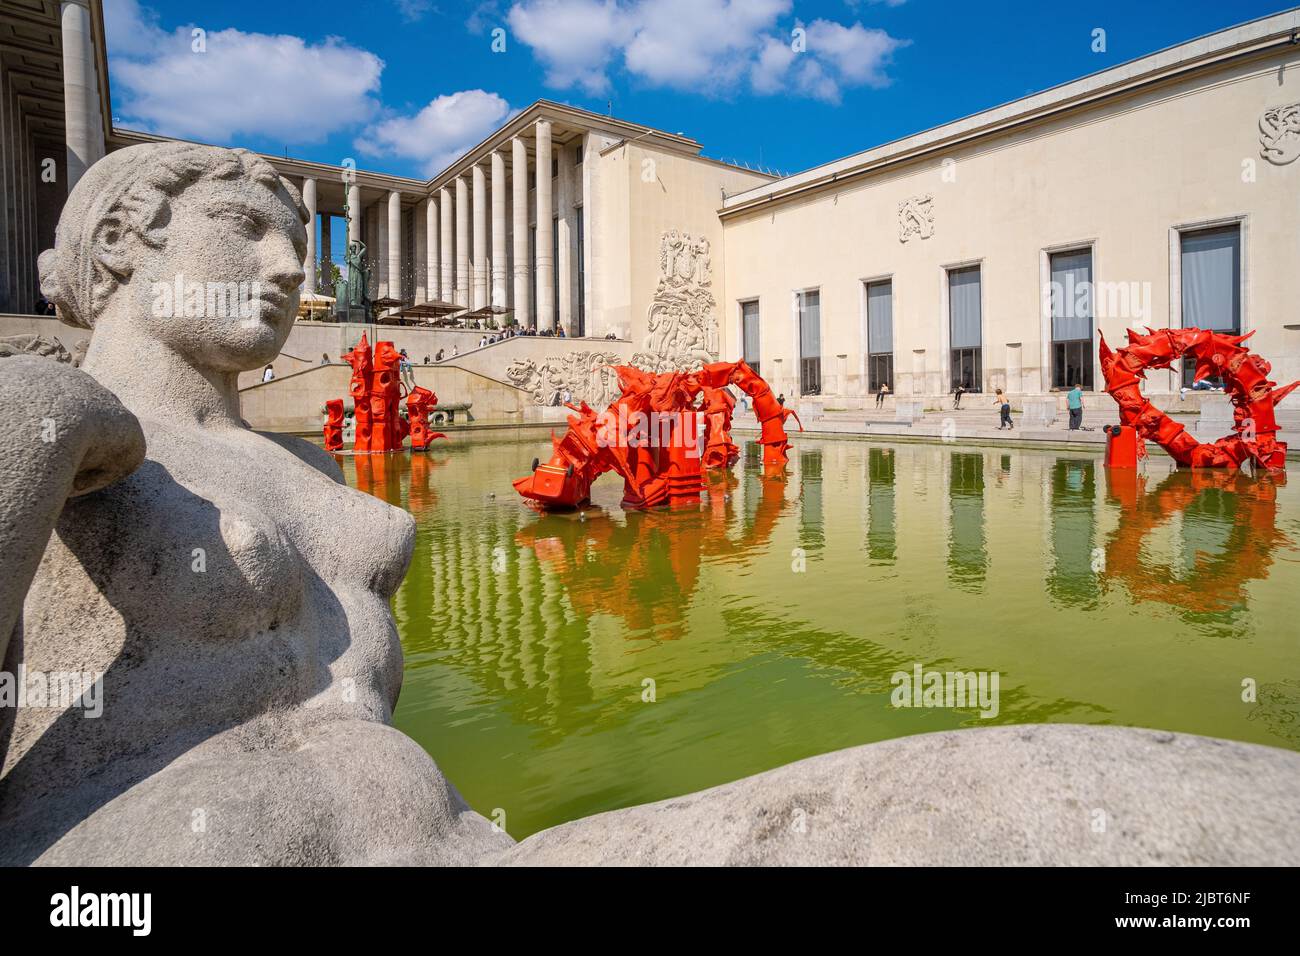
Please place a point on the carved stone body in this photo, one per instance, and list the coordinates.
(231, 590)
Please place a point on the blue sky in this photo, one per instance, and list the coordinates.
(403, 86)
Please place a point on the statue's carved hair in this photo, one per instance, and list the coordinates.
(129, 192)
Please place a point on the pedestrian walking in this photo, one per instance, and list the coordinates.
(1074, 401)
(1004, 407)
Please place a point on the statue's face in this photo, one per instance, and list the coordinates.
(236, 248)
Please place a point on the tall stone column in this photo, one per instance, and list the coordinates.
(430, 245)
(326, 252)
(354, 213)
(395, 244)
(480, 236)
(545, 240)
(462, 243)
(309, 261)
(566, 236)
(447, 286)
(519, 209)
(83, 132)
(498, 229)
(420, 254)
(379, 219)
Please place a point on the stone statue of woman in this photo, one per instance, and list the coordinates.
(230, 589)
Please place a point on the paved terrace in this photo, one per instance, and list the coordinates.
(977, 421)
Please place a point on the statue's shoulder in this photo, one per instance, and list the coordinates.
(306, 452)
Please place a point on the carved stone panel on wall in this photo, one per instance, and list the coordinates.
(586, 377)
(682, 319)
(1279, 134)
(916, 218)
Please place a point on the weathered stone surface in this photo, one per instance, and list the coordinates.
(1027, 795)
(231, 590)
(71, 437)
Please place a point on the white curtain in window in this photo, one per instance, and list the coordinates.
(964, 307)
(880, 317)
(749, 319)
(1211, 262)
(810, 325)
(1071, 296)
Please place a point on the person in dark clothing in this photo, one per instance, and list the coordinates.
(1004, 406)
(1074, 401)
(881, 393)
(780, 399)
(957, 392)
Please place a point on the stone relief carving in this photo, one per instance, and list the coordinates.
(682, 318)
(587, 377)
(1279, 134)
(916, 218)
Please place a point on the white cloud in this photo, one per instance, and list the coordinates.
(439, 133)
(712, 46)
(575, 39)
(682, 43)
(244, 84)
(859, 55)
(413, 10)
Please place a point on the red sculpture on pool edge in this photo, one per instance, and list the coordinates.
(1245, 378)
(376, 391)
(661, 463)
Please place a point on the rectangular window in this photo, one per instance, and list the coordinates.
(749, 334)
(1072, 313)
(577, 155)
(810, 343)
(964, 328)
(581, 328)
(1211, 274)
(880, 335)
(555, 166)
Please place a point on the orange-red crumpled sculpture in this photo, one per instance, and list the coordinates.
(1217, 354)
(657, 436)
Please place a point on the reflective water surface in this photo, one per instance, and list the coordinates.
(558, 665)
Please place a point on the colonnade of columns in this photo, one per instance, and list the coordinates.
(469, 249)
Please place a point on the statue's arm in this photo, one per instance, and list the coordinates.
(67, 435)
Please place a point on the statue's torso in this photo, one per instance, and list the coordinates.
(223, 579)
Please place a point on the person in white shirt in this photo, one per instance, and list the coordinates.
(268, 373)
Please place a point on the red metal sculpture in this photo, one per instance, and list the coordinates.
(1245, 378)
(376, 390)
(418, 405)
(658, 436)
(334, 424)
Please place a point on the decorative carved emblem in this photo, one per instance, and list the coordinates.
(587, 377)
(682, 319)
(916, 218)
(1279, 134)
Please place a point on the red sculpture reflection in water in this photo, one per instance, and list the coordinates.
(1215, 583)
(1245, 378)
(658, 436)
(651, 590)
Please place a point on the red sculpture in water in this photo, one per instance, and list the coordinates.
(334, 424)
(376, 390)
(1245, 378)
(418, 405)
(658, 436)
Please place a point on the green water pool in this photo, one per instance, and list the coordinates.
(563, 665)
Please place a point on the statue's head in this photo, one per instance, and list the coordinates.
(201, 246)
